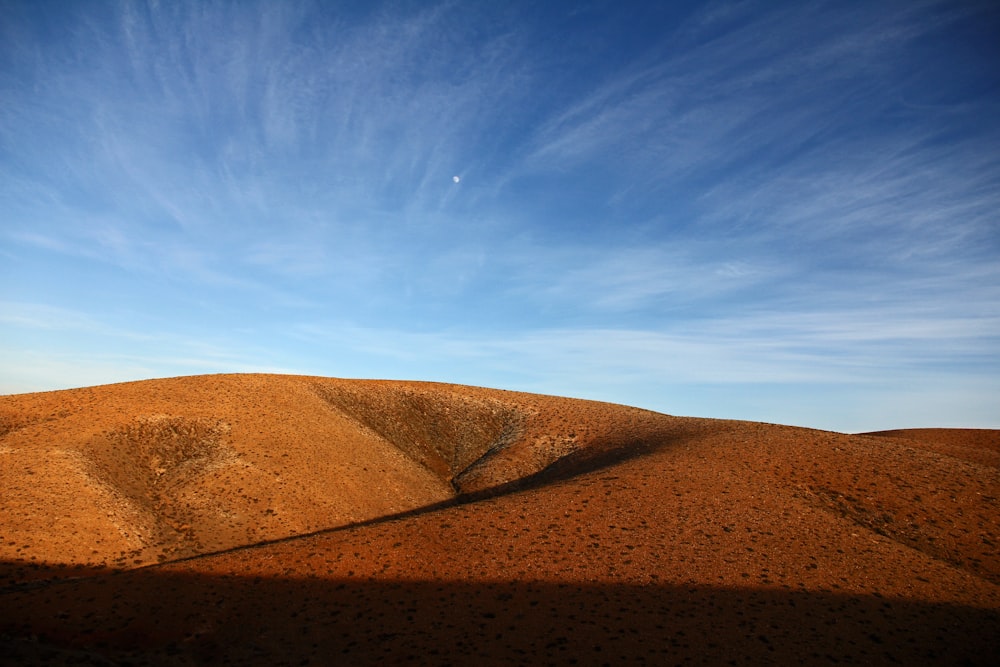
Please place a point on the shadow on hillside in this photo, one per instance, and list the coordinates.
(19, 573)
(156, 617)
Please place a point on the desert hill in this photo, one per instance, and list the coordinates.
(283, 519)
(137, 473)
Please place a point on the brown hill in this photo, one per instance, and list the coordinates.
(446, 524)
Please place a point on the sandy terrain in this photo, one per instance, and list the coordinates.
(286, 520)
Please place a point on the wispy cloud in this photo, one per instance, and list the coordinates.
(45, 347)
(868, 345)
(789, 129)
(788, 194)
(43, 316)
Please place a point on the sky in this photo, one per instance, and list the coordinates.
(784, 212)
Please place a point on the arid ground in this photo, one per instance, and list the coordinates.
(262, 519)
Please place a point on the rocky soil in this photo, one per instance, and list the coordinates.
(287, 520)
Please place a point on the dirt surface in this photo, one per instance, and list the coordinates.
(356, 522)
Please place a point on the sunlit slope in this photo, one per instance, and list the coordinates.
(980, 446)
(713, 502)
(131, 474)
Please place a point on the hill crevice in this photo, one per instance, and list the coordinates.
(446, 432)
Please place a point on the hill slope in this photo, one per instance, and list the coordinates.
(552, 530)
(136, 473)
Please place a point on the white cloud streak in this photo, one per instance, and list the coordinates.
(770, 194)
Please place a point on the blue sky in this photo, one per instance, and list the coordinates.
(784, 212)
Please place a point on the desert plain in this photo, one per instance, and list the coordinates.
(271, 519)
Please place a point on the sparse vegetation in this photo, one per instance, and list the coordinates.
(460, 523)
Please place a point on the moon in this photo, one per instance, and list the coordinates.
(456, 179)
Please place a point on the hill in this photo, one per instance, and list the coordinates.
(270, 519)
